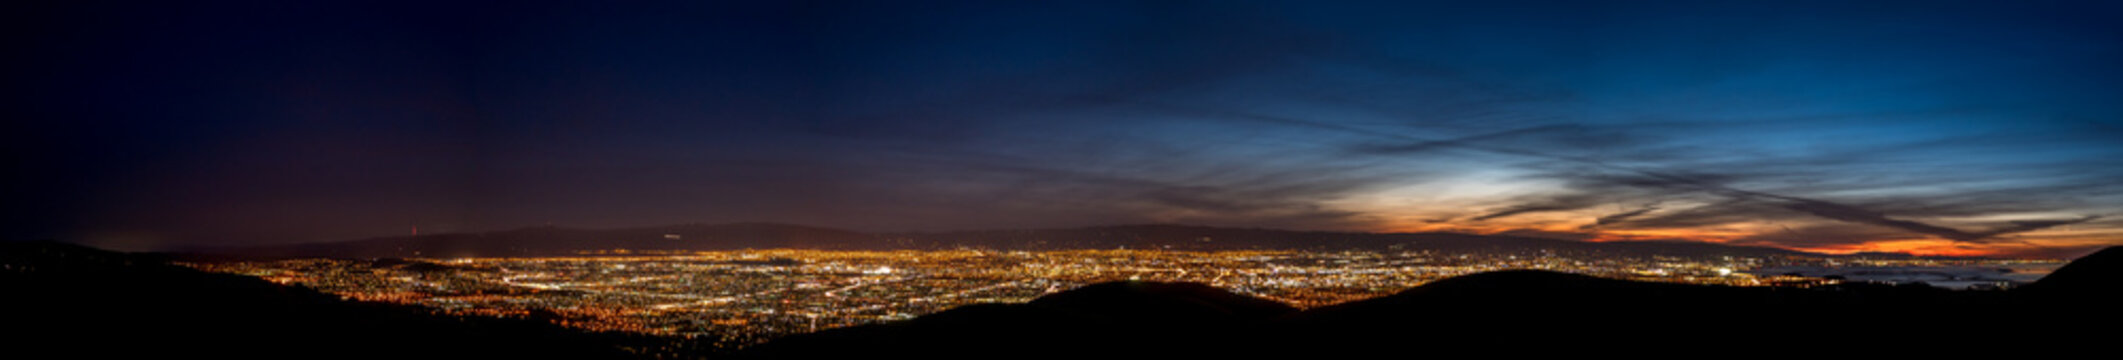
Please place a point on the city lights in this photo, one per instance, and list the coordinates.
(738, 298)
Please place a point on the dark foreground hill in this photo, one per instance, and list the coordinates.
(1508, 314)
(2090, 281)
(66, 301)
(70, 302)
(1136, 320)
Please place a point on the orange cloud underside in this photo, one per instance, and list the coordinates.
(1724, 234)
(1938, 247)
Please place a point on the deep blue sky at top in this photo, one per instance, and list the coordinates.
(153, 124)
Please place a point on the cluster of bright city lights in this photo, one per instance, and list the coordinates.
(737, 298)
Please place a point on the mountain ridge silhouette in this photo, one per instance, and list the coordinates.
(80, 301)
(1516, 312)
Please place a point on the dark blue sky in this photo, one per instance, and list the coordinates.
(1939, 127)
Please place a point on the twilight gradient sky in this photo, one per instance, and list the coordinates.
(1925, 126)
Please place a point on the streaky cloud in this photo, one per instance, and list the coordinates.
(1618, 218)
(1689, 182)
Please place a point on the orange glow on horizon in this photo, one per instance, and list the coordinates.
(1724, 235)
(1926, 247)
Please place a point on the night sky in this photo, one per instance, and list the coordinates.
(1934, 127)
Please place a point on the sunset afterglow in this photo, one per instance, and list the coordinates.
(1963, 128)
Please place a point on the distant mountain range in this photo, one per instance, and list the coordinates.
(555, 241)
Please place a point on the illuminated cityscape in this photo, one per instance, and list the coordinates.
(732, 299)
(654, 180)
